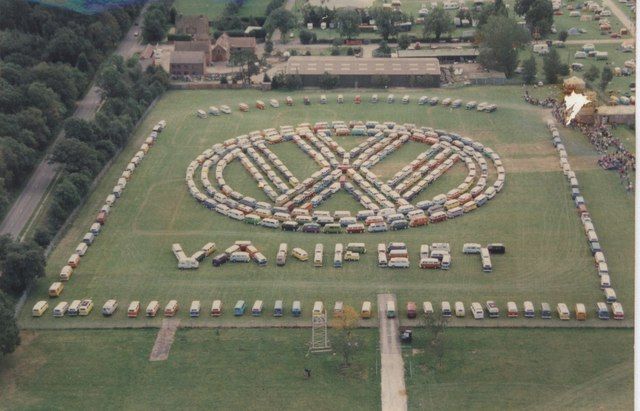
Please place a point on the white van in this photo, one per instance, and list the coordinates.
(74, 308)
(471, 248)
(446, 262)
(459, 309)
(61, 309)
(109, 307)
(398, 262)
(605, 281)
(427, 308)
(478, 312)
(240, 257)
(194, 310)
(445, 309)
(610, 295)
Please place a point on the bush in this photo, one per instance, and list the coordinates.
(224, 80)
(350, 51)
(329, 81)
(307, 36)
(403, 41)
(178, 37)
(266, 78)
(42, 237)
(380, 81)
(335, 51)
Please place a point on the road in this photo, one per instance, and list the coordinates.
(624, 19)
(393, 392)
(36, 188)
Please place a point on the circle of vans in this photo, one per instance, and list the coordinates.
(386, 205)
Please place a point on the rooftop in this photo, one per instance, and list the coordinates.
(187, 57)
(616, 110)
(435, 53)
(363, 66)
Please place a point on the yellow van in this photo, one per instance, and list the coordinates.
(318, 255)
(56, 289)
(581, 312)
(66, 273)
(366, 310)
(85, 307)
(459, 309)
(300, 254)
(318, 308)
(39, 308)
(171, 309)
(391, 309)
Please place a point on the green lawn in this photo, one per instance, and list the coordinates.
(249, 369)
(213, 8)
(232, 369)
(523, 369)
(547, 258)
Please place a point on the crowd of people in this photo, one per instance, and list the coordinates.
(614, 155)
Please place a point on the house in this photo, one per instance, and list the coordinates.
(362, 72)
(195, 26)
(195, 45)
(616, 115)
(187, 63)
(226, 45)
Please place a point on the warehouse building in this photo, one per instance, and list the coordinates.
(444, 55)
(367, 72)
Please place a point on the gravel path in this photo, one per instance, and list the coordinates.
(164, 340)
(392, 389)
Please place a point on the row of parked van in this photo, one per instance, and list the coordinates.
(81, 249)
(491, 310)
(195, 259)
(293, 205)
(593, 241)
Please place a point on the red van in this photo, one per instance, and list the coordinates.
(411, 310)
(101, 218)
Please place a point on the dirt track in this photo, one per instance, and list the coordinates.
(393, 391)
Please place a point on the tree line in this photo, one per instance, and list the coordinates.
(87, 146)
(47, 58)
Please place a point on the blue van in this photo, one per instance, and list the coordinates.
(238, 310)
(296, 309)
(277, 309)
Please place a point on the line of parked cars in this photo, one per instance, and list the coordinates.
(56, 288)
(490, 309)
(386, 205)
(600, 262)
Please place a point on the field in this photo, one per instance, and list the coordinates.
(547, 258)
(233, 369)
(213, 8)
(249, 369)
(524, 369)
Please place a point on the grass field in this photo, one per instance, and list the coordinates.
(547, 258)
(520, 369)
(213, 8)
(232, 369)
(250, 369)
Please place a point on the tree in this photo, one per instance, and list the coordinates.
(383, 50)
(346, 342)
(562, 36)
(307, 36)
(329, 81)
(9, 332)
(20, 267)
(79, 129)
(605, 77)
(500, 38)
(154, 26)
(244, 57)
(76, 156)
(592, 73)
(551, 66)
(529, 70)
(268, 46)
(280, 19)
(385, 21)
(403, 41)
(348, 22)
(539, 17)
(112, 83)
(437, 22)
(497, 8)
